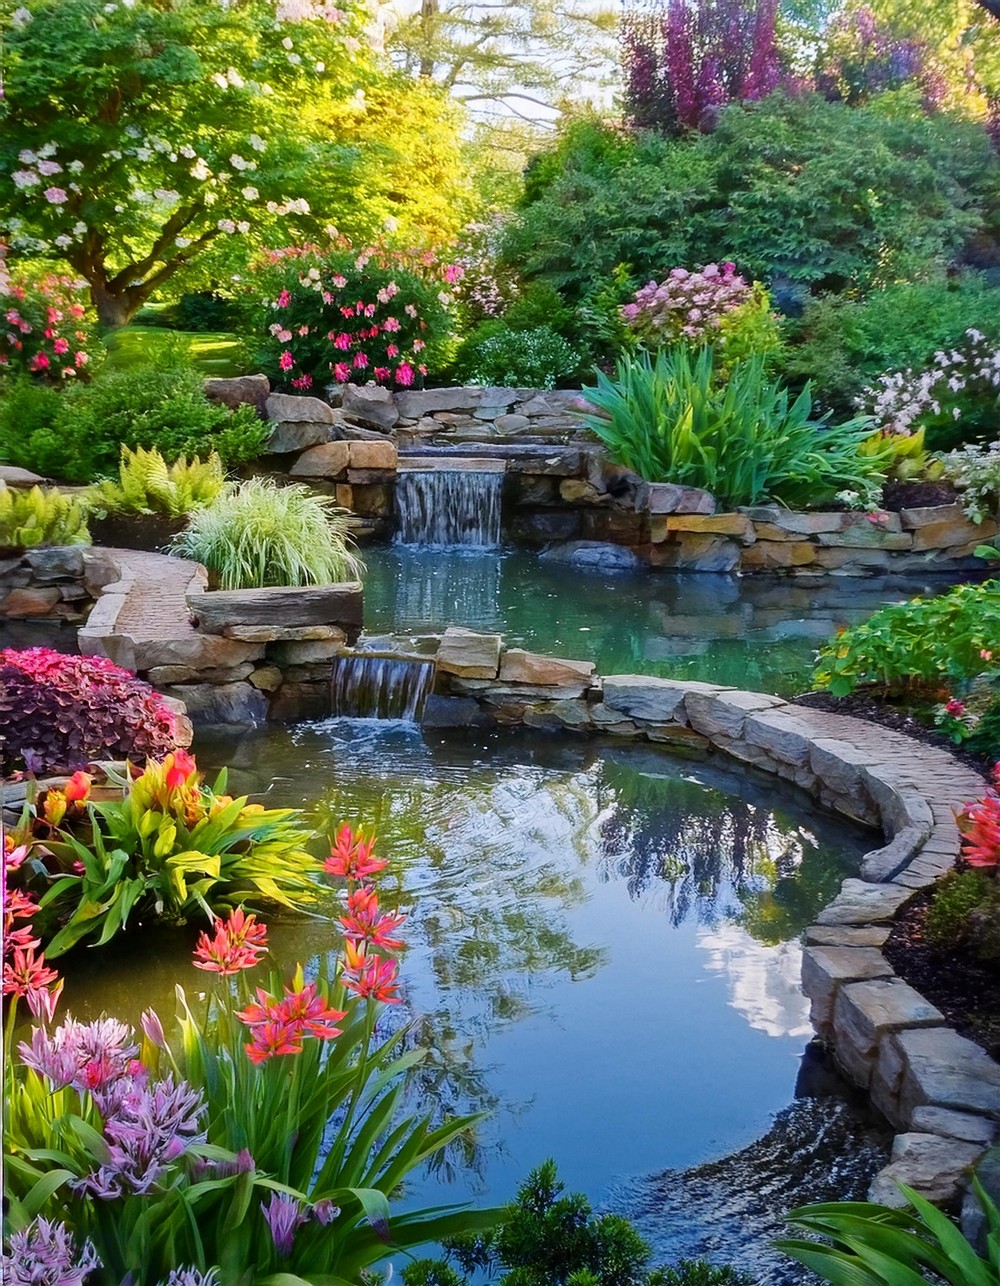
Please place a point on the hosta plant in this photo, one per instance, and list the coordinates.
(670, 419)
(146, 484)
(165, 847)
(267, 534)
(59, 712)
(872, 1245)
(924, 645)
(261, 1138)
(38, 516)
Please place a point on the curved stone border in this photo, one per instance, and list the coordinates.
(938, 1089)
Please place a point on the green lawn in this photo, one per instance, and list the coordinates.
(215, 353)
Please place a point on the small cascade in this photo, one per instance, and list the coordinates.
(380, 685)
(445, 508)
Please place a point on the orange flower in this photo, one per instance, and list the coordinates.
(78, 788)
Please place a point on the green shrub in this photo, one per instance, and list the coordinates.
(494, 354)
(829, 196)
(77, 433)
(266, 534)
(671, 420)
(964, 905)
(147, 484)
(985, 736)
(40, 517)
(927, 643)
(842, 344)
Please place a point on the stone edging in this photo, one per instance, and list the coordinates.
(938, 1089)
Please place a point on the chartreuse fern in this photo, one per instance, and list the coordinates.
(29, 518)
(147, 484)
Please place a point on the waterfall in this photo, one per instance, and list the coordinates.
(380, 685)
(444, 508)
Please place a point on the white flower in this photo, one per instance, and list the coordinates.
(27, 157)
(220, 80)
(182, 242)
(75, 167)
(257, 143)
(143, 154)
(63, 241)
(133, 131)
(226, 225)
(251, 194)
(21, 17)
(187, 151)
(25, 179)
(166, 194)
(234, 78)
(210, 198)
(200, 170)
(294, 59)
(79, 229)
(321, 67)
(243, 226)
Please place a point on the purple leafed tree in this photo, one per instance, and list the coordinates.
(684, 59)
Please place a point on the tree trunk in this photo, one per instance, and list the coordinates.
(113, 310)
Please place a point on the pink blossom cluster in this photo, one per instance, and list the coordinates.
(900, 400)
(687, 305)
(43, 326)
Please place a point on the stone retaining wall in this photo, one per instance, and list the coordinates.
(57, 583)
(562, 494)
(938, 1089)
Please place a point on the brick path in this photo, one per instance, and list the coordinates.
(154, 607)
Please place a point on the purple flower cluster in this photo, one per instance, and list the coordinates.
(687, 305)
(45, 1254)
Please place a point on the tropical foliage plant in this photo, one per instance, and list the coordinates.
(146, 484)
(925, 644)
(259, 1139)
(37, 516)
(872, 1245)
(349, 316)
(266, 534)
(165, 847)
(60, 712)
(671, 420)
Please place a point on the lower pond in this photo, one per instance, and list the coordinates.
(603, 952)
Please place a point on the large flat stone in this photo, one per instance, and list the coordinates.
(636, 696)
(371, 405)
(782, 734)
(329, 460)
(728, 524)
(859, 902)
(194, 652)
(289, 436)
(283, 633)
(723, 714)
(339, 604)
(826, 969)
(695, 551)
(882, 864)
(935, 1167)
(311, 410)
(948, 535)
(774, 555)
(592, 553)
(57, 562)
(412, 406)
(373, 455)
(936, 1066)
(668, 498)
(839, 764)
(468, 654)
(519, 666)
(955, 1125)
(239, 390)
(846, 935)
(863, 1014)
(231, 703)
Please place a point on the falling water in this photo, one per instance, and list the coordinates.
(449, 507)
(378, 685)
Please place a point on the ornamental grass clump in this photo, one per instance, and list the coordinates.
(156, 846)
(261, 1137)
(266, 534)
(670, 419)
(59, 712)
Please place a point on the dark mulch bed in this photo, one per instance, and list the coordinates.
(900, 718)
(966, 990)
(916, 495)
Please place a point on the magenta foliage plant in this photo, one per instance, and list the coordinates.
(684, 60)
(58, 712)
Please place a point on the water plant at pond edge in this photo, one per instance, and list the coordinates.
(263, 1138)
(166, 847)
(925, 645)
(59, 712)
(670, 419)
(874, 1245)
(267, 534)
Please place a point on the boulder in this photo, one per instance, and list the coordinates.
(861, 903)
(298, 435)
(511, 423)
(306, 652)
(229, 703)
(637, 696)
(328, 460)
(826, 969)
(57, 562)
(283, 633)
(468, 654)
(955, 1125)
(775, 555)
(519, 666)
(30, 602)
(600, 555)
(455, 712)
(936, 1066)
(698, 552)
(12, 476)
(726, 524)
(339, 604)
(669, 498)
(283, 407)
(371, 405)
(240, 390)
(194, 651)
(576, 491)
(724, 714)
(865, 1012)
(373, 455)
(846, 935)
(934, 1166)
(415, 405)
(267, 678)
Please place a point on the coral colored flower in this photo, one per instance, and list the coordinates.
(271, 1040)
(179, 766)
(352, 857)
(77, 789)
(370, 976)
(979, 824)
(27, 972)
(365, 920)
(307, 1012)
(238, 943)
(985, 654)
(382, 372)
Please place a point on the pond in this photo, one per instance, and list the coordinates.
(603, 948)
(759, 633)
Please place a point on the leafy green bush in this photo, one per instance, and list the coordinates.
(876, 1246)
(147, 484)
(544, 1238)
(494, 354)
(671, 420)
(266, 534)
(827, 195)
(965, 906)
(927, 643)
(40, 517)
(77, 433)
(842, 344)
(985, 736)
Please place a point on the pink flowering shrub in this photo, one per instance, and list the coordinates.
(344, 316)
(44, 328)
(59, 712)
(955, 399)
(710, 305)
